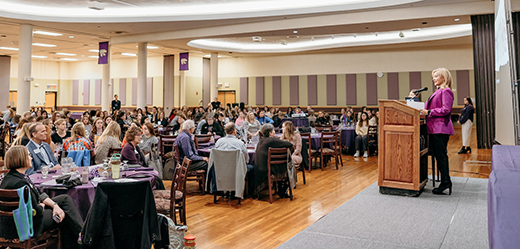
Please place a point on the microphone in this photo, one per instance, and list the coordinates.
(420, 90)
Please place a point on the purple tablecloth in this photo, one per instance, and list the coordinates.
(83, 195)
(315, 140)
(348, 138)
(206, 151)
(504, 197)
(76, 115)
(298, 122)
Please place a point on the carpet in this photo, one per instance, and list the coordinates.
(373, 220)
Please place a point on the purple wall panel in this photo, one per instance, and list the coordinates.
(277, 90)
(75, 92)
(393, 85)
(149, 91)
(294, 90)
(331, 89)
(244, 90)
(351, 89)
(260, 90)
(86, 92)
(134, 91)
(415, 80)
(97, 92)
(312, 89)
(462, 85)
(122, 91)
(371, 89)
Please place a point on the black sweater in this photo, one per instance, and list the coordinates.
(466, 113)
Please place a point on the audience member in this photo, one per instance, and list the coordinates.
(240, 119)
(263, 119)
(61, 132)
(131, 150)
(252, 125)
(24, 136)
(116, 104)
(77, 140)
(295, 139)
(86, 122)
(108, 140)
(162, 121)
(215, 104)
(362, 138)
(187, 147)
(41, 152)
(321, 120)
(278, 120)
(97, 130)
(177, 128)
(289, 112)
(148, 139)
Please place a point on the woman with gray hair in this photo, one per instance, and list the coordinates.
(268, 140)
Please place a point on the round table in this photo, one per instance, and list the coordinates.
(315, 139)
(298, 122)
(83, 195)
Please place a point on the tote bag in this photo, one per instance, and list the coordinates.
(23, 216)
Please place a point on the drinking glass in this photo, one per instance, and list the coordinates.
(45, 171)
(125, 164)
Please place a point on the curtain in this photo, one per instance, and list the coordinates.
(484, 67)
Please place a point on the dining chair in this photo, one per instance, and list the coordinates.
(372, 140)
(328, 141)
(202, 138)
(306, 138)
(111, 151)
(7, 205)
(166, 146)
(338, 147)
(195, 175)
(277, 156)
(226, 171)
(163, 198)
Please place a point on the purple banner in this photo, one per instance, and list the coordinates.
(103, 53)
(184, 61)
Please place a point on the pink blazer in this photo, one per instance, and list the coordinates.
(439, 120)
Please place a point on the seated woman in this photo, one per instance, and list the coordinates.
(77, 140)
(131, 150)
(148, 139)
(97, 130)
(86, 122)
(289, 112)
(61, 133)
(162, 121)
(24, 137)
(177, 128)
(108, 140)
(252, 125)
(18, 160)
(321, 120)
(263, 119)
(362, 138)
(241, 118)
(295, 138)
(277, 120)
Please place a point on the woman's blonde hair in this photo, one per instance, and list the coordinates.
(445, 74)
(49, 131)
(23, 133)
(16, 157)
(247, 117)
(289, 135)
(59, 121)
(78, 130)
(113, 130)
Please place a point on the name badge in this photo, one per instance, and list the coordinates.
(37, 151)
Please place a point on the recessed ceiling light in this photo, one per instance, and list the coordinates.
(209, 56)
(39, 32)
(94, 56)
(457, 19)
(128, 54)
(149, 47)
(296, 31)
(94, 50)
(9, 48)
(68, 59)
(39, 56)
(44, 45)
(67, 54)
(71, 36)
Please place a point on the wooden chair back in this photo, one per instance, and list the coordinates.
(166, 141)
(202, 138)
(9, 205)
(177, 154)
(329, 139)
(324, 128)
(276, 156)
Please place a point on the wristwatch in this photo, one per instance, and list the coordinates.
(54, 204)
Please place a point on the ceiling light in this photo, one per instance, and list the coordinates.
(94, 50)
(152, 47)
(312, 38)
(295, 32)
(39, 56)
(209, 56)
(9, 48)
(94, 56)
(96, 5)
(401, 34)
(416, 29)
(284, 42)
(71, 36)
(257, 38)
(44, 45)
(67, 54)
(128, 54)
(39, 32)
(68, 59)
(457, 19)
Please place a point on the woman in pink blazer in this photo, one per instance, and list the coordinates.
(438, 121)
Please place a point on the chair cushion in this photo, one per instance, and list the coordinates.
(313, 151)
(327, 150)
(165, 194)
(162, 205)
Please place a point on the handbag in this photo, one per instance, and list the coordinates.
(23, 216)
(156, 163)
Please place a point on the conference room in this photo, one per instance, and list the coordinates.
(342, 124)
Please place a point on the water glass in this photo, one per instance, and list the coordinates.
(45, 171)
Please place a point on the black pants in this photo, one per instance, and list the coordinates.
(438, 144)
(71, 225)
(198, 165)
(361, 143)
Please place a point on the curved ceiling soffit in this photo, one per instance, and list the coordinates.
(260, 8)
(337, 41)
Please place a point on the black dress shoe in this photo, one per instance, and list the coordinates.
(441, 188)
(463, 150)
(468, 149)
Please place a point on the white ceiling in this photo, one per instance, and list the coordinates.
(87, 35)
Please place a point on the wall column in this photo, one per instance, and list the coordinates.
(141, 74)
(182, 74)
(214, 76)
(106, 93)
(24, 69)
(5, 75)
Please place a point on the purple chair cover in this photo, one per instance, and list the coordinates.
(504, 197)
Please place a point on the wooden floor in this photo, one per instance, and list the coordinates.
(258, 224)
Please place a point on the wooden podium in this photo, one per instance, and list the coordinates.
(403, 164)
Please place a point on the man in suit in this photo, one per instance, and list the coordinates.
(116, 104)
(41, 152)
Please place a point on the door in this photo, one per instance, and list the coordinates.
(226, 97)
(12, 98)
(50, 101)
